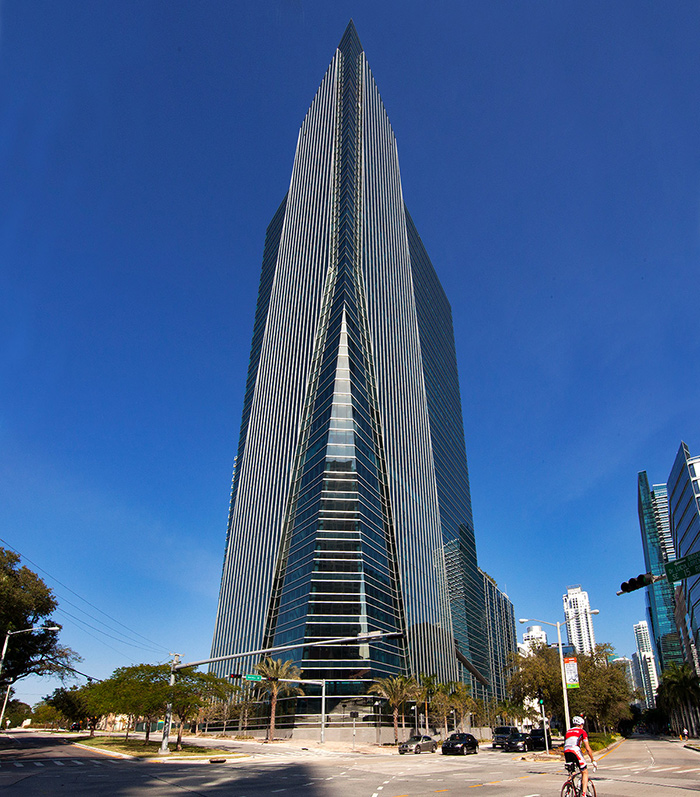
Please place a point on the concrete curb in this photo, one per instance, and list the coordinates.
(108, 753)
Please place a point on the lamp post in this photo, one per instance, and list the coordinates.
(4, 651)
(558, 626)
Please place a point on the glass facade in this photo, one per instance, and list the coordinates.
(658, 549)
(502, 637)
(684, 511)
(350, 507)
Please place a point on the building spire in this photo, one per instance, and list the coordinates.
(350, 39)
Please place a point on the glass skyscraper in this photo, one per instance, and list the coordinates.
(684, 511)
(350, 506)
(658, 549)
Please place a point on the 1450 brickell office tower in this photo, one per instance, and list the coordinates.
(350, 507)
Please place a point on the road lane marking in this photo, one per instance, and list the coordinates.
(37, 764)
(59, 763)
(78, 763)
(17, 764)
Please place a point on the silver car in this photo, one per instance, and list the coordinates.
(418, 744)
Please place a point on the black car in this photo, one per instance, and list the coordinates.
(501, 733)
(516, 743)
(418, 744)
(460, 744)
(536, 740)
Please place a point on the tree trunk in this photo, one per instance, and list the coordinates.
(396, 724)
(273, 708)
(148, 729)
(179, 733)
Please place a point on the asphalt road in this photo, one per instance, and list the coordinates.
(34, 764)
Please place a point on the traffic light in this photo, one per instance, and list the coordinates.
(642, 580)
(235, 675)
(540, 698)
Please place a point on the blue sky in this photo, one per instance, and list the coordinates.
(550, 159)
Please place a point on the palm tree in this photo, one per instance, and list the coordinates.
(396, 690)
(278, 673)
(462, 702)
(428, 685)
(679, 695)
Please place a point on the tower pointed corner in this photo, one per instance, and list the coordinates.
(350, 39)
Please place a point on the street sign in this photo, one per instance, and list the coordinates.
(571, 672)
(683, 568)
(252, 677)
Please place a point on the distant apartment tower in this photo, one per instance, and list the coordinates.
(350, 507)
(579, 622)
(657, 544)
(501, 635)
(647, 662)
(534, 637)
(626, 664)
(684, 510)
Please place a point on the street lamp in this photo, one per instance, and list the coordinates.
(4, 651)
(558, 626)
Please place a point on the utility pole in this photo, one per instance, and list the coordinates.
(164, 750)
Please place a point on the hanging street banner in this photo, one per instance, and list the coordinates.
(571, 672)
(682, 568)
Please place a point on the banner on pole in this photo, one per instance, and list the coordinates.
(571, 672)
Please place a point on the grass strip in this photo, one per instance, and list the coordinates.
(139, 749)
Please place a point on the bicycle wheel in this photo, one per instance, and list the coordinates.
(590, 789)
(569, 790)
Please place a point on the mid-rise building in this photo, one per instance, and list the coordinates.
(646, 663)
(350, 506)
(533, 637)
(501, 635)
(684, 511)
(579, 621)
(657, 544)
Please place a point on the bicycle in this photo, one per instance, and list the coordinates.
(572, 787)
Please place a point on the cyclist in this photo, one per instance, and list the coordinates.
(575, 737)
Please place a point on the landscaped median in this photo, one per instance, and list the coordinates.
(137, 748)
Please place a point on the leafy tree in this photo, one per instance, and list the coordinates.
(47, 716)
(396, 690)
(274, 670)
(138, 691)
(17, 712)
(75, 705)
(603, 695)
(26, 602)
(679, 695)
(193, 690)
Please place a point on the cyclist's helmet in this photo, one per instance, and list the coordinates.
(578, 721)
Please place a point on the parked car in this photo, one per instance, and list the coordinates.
(460, 744)
(418, 744)
(501, 734)
(536, 740)
(517, 742)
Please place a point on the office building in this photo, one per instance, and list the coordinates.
(350, 506)
(579, 621)
(501, 635)
(684, 511)
(657, 544)
(646, 663)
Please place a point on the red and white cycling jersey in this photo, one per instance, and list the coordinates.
(572, 744)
